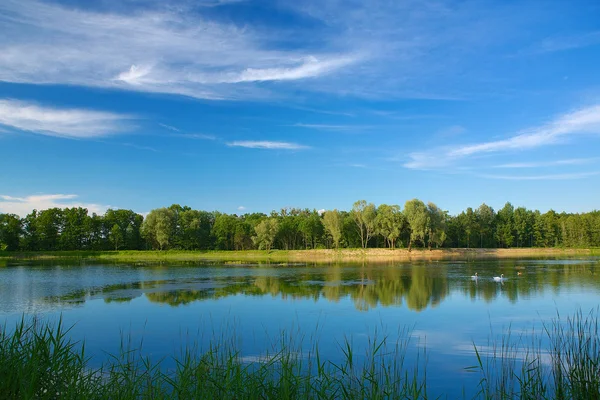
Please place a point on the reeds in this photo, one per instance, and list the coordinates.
(38, 361)
(561, 362)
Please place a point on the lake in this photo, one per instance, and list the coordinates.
(438, 306)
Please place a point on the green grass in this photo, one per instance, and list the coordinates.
(371, 255)
(562, 362)
(38, 361)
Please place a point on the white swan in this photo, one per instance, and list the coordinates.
(474, 277)
(499, 278)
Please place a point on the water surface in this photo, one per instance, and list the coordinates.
(170, 306)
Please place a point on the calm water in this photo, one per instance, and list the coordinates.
(168, 306)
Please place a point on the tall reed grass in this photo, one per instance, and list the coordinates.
(39, 361)
(560, 362)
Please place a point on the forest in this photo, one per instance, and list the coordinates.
(417, 224)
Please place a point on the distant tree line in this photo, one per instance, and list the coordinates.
(365, 225)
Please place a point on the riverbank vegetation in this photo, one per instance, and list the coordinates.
(417, 225)
(38, 360)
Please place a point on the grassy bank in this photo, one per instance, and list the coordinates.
(38, 361)
(299, 256)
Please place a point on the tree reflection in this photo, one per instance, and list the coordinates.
(416, 287)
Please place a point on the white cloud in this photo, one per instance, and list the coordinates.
(169, 127)
(357, 165)
(168, 50)
(24, 205)
(71, 123)
(184, 135)
(241, 208)
(583, 121)
(540, 164)
(200, 136)
(309, 68)
(552, 177)
(561, 43)
(375, 48)
(264, 144)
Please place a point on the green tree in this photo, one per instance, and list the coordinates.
(116, 236)
(417, 216)
(437, 225)
(523, 222)
(266, 231)
(10, 232)
(332, 221)
(73, 234)
(485, 218)
(505, 226)
(224, 230)
(364, 216)
(311, 228)
(159, 227)
(388, 223)
(49, 223)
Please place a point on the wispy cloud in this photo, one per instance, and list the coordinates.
(582, 121)
(179, 133)
(169, 127)
(267, 145)
(370, 49)
(197, 136)
(69, 123)
(24, 205)
(562, 43)
(167, 50)
(241, 208)
(541, 164)
(553, 177)
(308, 68)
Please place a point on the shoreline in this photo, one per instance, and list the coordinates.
(319, 256)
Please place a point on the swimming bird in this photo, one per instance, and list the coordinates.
(499, 278)
(474, 276)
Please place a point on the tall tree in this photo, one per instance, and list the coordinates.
(116, 236)
(485, 218)
(505, 226)
(10, 232)
(364, 216)
(437, 225)
(266, 231)
(417, 216)
(332, 221)
(388, 223)
(311, 227)
(159, 227)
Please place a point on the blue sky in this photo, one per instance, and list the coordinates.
(243, 106)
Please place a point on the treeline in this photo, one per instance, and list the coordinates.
(365, 225)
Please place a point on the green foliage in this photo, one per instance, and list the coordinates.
(332, 220)
(389, 223)
(116, 237)
(266, 231)
(364, 216)
(183, 228)
(10, 232)
(418, 218)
